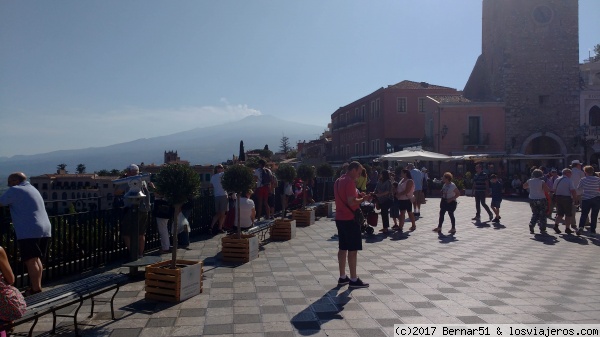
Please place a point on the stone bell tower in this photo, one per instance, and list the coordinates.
(530, 61)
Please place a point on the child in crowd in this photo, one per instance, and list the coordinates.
(496, 191)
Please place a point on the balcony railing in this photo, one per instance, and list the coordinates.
(347, 123)
(476, 141)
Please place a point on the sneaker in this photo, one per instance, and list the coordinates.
(531, 227)
(579, 231)
(568, 231)
(491, 217)
(395, 227)
(477, 217)
(543, 231)
(358, 284)
(437, 229)
(496, 220)
(343, 281)
(556, 230)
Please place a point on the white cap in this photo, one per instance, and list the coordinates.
(133, 167)
(576, 161)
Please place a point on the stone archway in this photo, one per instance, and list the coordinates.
(543, 143)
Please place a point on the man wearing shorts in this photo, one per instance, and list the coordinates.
(31, 224)
(566, 196)
(221, 202)
(347, 200)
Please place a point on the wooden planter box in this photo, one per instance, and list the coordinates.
(173, 285)
(283, 230)
(324, 209)
(304, 217)
(239, 250)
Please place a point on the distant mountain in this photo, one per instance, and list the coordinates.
(208, 145)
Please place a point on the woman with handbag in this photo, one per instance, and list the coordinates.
(383, 192)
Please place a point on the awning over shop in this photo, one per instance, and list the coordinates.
(413, 155)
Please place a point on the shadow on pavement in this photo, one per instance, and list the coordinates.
(546, 239)
(445, 239)
(325, 309)
(498, 225)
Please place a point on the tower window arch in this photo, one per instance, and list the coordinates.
(594, 116)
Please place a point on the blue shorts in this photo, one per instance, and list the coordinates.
(496, 202)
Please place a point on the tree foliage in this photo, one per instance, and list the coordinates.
(177, 183)
(238, 178)
(80, 168)
(306, 172)
(597, 52)
(285, 145)
(325, 170)
(62, 166)
(286, 173)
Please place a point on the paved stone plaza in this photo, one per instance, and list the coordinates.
(486, 273)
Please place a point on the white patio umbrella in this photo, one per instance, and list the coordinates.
(413, 155)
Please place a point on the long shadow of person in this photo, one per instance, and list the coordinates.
(326, 308)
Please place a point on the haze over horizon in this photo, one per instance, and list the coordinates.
(96, 73)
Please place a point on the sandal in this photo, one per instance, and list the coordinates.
(413, 228)
(452, 231)
(437, 229)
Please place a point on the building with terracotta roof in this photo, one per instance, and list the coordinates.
(384, 121)
(85, 192)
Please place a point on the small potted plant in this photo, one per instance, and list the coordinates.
(175, 280)
(468, 182)
(306, 215)
(238, 247)
(284, 229)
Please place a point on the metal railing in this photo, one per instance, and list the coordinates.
(83, 241)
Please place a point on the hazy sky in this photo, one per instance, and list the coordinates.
(75, 74)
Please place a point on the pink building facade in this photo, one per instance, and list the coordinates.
(384, 121)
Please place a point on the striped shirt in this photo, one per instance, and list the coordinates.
(590, 185)
(480, 182)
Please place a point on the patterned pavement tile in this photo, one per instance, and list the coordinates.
(484, 274)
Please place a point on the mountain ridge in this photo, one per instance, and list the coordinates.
(203, 145)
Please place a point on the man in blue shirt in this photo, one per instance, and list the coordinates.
(31, 223)
(419, 198)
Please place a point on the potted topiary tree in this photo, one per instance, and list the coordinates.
(306, 215)
(241, 248)
(175, 280)
(284, 229)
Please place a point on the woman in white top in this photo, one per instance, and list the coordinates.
(448, 203)
(404, 194)
(247, 212)
(537, 200)
(590, 199)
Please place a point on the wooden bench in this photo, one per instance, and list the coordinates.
(77, 292)
(260, 228)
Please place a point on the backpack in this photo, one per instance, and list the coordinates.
(265, 176)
